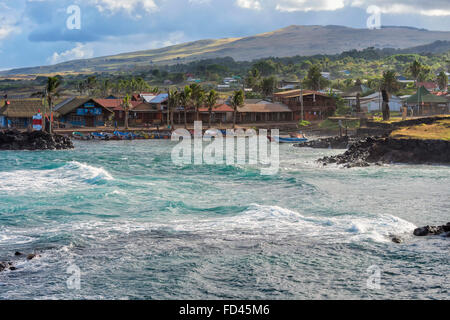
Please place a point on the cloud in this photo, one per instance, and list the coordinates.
(81, 51)
(128, 6)
(425, 8)
(249, 4)
(309, 5)
(395, 7)
(8, 24)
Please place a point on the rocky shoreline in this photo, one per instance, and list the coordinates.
(35, 140)
(328, 143)
(433, 231)
(379, 150)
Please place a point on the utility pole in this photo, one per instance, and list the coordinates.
(301, 102)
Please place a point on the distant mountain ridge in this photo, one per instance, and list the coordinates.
(290, 41)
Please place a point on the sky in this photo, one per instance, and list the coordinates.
(43, 32)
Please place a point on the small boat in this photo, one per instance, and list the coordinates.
(125, 135)
(293, 138)
(288, 139)
(212, 133)
(99, 136)
(79, 136)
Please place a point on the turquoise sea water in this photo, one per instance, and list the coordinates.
(139, 227)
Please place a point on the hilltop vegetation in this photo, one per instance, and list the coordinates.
(286, 42)
(350, 68)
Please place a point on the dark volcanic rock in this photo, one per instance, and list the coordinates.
(433, 230)
(36, 140)
(7, 266)
(376, 150)
(328, 143)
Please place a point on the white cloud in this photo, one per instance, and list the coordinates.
(81, 51)
(309, 5)
(125, 5)
(8, 25)
(425, 8)
(249, 4)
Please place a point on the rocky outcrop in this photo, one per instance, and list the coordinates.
(5, 266)
(388, 150)
(328, 143)
(433, 230)
(36, 140)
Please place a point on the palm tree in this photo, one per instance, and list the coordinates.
(389, 81)
(415, 69)
(185, 100)
(237, 101)
(126, 105)
(172, 103)
(50, 92)
(211, 101)
(198, 97)
(389, 84)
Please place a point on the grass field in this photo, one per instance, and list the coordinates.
(439, 130)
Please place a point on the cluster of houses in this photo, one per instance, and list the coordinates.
(148, 109)
(426, 101)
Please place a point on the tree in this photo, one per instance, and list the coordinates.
(198, 98)
(91, 84)
(211, 101)
(237, 101)
(268, 85)
(51, 91)
(126, 105)
(265, 67)
(106, 87)
(172, 104)
(415, 69)
(314, 79)
(389, 84)
(389, 81)
(185, 99)
(442, 80)
(253, 80)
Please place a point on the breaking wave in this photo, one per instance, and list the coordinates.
(273, 220)
(71, 174)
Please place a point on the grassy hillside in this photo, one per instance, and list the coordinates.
(290, 41)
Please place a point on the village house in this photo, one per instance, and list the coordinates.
(221, 113)
(84, 112)
(316, 105)
(19, 113)
(264, 112)
(423, 102)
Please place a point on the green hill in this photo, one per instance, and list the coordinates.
(290, 41)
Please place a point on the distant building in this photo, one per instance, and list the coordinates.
(326, 75)
(316, 105)
(423, 102)
(430, 85)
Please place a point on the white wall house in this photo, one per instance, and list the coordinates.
(374, 102)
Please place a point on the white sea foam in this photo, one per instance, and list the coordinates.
(66, 176)
(273, 220)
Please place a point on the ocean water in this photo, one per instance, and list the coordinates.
(136, 226)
